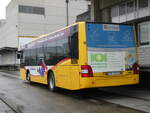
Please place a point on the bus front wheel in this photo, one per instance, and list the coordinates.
(28, 78)
(51, 82)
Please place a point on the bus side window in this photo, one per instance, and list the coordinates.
(32, 58)
(74, 46)
(50, 51)
(26, 57)
(40, 54)
(73, 43)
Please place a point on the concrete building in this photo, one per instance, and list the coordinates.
(27, 19)
(85, 16)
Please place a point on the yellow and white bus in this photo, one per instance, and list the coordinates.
(82, 55)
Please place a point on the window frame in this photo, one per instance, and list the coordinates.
(129, 10)
(143, 7)
(121, 12)
(31, 10)
(144, 43)
(113, 13)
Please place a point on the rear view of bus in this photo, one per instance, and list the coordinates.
(112, 58)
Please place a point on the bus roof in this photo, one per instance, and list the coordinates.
(45, 35)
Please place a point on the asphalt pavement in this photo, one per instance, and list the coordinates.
(36, 98)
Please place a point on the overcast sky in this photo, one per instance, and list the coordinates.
(3, 4)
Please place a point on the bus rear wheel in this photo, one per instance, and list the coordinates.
(51, 82)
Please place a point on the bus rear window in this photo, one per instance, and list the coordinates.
(110, 36)
(73, 42)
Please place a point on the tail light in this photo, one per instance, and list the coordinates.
(136, 68)
(86, 71)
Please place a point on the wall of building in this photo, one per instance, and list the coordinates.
(130, 10)
(31, 24)
(8, 31)
(9, 34)
(100, 9)
(8, 58)
(54, 18)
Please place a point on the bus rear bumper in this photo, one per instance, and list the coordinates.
(95, 82)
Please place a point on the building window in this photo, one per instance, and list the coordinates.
(143, 4)
(144, 33)
(135, 5)
(32, 10)
(114, 11)
(130, 7)
(122, 9)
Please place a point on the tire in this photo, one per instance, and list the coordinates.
(51, 82)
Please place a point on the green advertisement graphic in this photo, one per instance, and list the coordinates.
(99, 57)
(107, 61)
